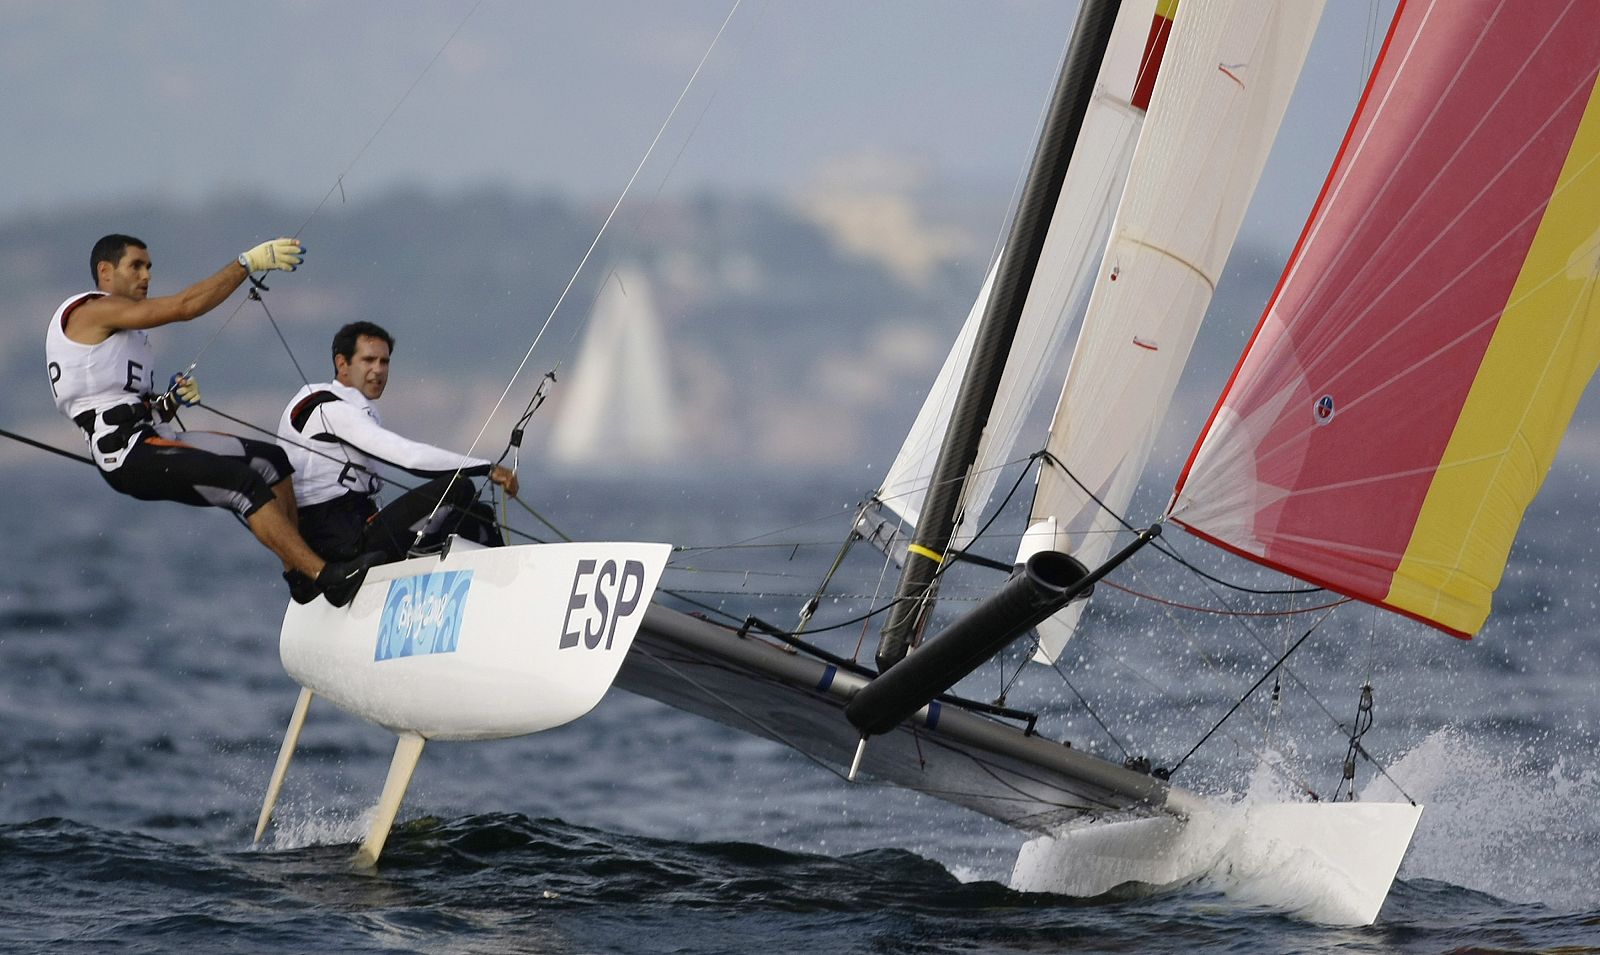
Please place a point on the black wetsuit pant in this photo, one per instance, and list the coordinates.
(202, 469)
(347, 526)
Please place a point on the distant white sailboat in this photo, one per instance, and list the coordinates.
(621, 407)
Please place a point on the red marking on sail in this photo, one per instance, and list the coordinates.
(1155, 46)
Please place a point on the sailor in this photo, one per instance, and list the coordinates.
(102, 375)
(334, 437)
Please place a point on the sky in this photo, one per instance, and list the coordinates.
(180, 100)
(862, 102)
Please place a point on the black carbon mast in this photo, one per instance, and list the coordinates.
(998, 327)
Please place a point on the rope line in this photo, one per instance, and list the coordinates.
(43, 446)
(1162, 545)
(1248, 693)
(1225, 612)
(604, 226)
(386, 480)
(338, 183)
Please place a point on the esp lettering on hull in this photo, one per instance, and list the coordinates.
(600, 597)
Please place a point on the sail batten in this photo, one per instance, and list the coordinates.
(1435, 328)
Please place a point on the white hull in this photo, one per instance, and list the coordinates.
(475, 644)
(481, 644)
(1326, 862)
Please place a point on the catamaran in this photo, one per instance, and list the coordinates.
(1394, 414)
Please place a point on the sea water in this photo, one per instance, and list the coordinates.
(142, 703)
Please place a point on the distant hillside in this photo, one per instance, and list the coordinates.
(788, 346)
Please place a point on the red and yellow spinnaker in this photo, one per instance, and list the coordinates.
(1405, 393)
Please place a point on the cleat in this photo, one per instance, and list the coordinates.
(302, 589)
(340, 581)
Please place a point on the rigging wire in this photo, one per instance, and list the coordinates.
(1369, 47)
(1162, 545)
(310, 449)
(877, 594)
(987, 768)
(1248, 693)
(759, 541)
(594, 244)
(338, 183)
(258, 286)
(605, 225)
(652, 204)
(1228, 611)
(1090, 710)
(1268, 759)
(338, 186)
(256, 296)
(42, 446)
(1306, 689)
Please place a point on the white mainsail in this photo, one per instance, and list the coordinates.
(1077, 233)
(1225, 83)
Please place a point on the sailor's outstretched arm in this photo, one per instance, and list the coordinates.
(346, 423)
(99, 317)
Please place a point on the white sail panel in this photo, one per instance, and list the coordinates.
(899, 498)
(1225, 82)
(1077, 231)
(1057, 296)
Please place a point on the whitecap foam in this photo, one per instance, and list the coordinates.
(321, 827)
(1517, 825)
(1325, 862)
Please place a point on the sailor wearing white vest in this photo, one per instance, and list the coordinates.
(334, 438)
(101, 370)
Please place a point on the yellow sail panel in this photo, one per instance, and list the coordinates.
(1545, 348)
(1404, 394)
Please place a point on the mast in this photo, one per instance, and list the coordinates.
(1074, 86)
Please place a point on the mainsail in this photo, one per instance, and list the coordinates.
(1408, 385)
(1226, 83)
(1059, 289)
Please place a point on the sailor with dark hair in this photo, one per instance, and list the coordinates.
(334, 437)
(102, 376)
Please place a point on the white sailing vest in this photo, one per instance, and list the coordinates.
(334, 438)
(83, 378)
(324, 468)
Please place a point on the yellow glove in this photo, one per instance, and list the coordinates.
(186, 389)
(182, 391)
(282, 254)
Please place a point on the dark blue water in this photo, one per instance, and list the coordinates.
(142, 702)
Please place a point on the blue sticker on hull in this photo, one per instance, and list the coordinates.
(422, 614)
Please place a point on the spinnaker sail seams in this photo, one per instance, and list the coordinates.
(1419, 305)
